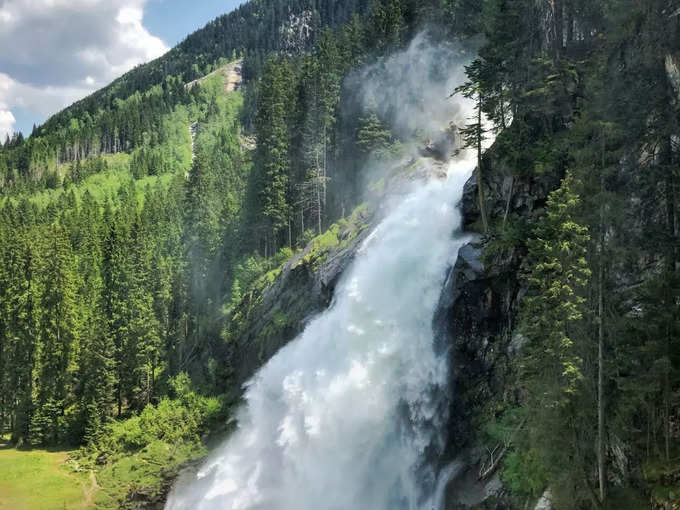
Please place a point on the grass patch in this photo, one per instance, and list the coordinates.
(338, 237)
(100, 186)
(40, 480)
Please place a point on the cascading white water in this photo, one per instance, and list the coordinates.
(340, 418)
(348, 414)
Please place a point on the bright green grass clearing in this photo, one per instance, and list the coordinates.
(39, 480)
(102, 185)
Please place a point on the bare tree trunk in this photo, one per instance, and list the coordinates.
(558, 21)
(601, 468)
(153, 377)
(318, 206)
(600, 373)
(667, 166)
(509, 202)
(480, 184)
(302, 222)
(119, 397)
(667, 399)
(325, 164)
(570, 25)
(648, 440)
(502, 101)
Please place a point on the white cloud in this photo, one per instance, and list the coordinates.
(40, 99)
(61, 50)
(6, 124)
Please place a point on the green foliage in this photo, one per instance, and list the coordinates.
(127, 259)
(372, 137)
(137, 455)
(524, 473)
(139, 229)
(551, 365)
(563, 86)
(558, 276)
(182, 419)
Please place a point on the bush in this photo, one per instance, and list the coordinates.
(523, 472)
(140, 454)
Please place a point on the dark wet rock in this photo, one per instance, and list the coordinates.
(475, 323)
(505, 194)
(303, 290)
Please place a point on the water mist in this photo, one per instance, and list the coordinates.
(348, 414)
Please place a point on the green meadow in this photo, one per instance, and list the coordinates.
(41, 480)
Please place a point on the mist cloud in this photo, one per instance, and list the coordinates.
(411, 90)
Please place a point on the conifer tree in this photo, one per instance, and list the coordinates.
(474, 133)
(273, 157)
(552, 319)
(58, 336)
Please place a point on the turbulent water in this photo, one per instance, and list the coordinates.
(351, 414)
(341, 417)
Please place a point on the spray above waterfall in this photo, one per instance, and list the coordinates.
(410, 90)
(350, 413)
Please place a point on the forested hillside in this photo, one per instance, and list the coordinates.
(580, 198)
(141, 227)
(123, 116)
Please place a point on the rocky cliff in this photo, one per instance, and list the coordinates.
(475, 323)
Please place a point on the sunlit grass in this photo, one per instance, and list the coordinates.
(39, 480)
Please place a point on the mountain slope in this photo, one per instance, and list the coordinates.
(257, 27)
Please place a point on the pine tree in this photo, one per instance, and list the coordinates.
(58, 336)
(144, 341)
(473, 134)
(552, 319)
(273, 165)
(20, 312)
(116, 282)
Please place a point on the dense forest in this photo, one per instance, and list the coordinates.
(130, 246)
(592, 94)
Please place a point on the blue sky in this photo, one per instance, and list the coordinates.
(62, 50)
(173, 20)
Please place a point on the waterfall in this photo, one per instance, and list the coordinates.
(341, 417)
(351, 414)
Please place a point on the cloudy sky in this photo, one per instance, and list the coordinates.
(55, 52)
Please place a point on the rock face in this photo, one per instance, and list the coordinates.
(505, 194)
(471, 322)
(302, 290)
(673, 71)
(475, 322)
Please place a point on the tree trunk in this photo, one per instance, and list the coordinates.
(671, 264)
(318, 206)
(119, 397)
(302, 222)
(570, 25)
(667, 400)
(600, 372)
(480, 184)
(558, 23)
(290, 232)
(601, 468)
